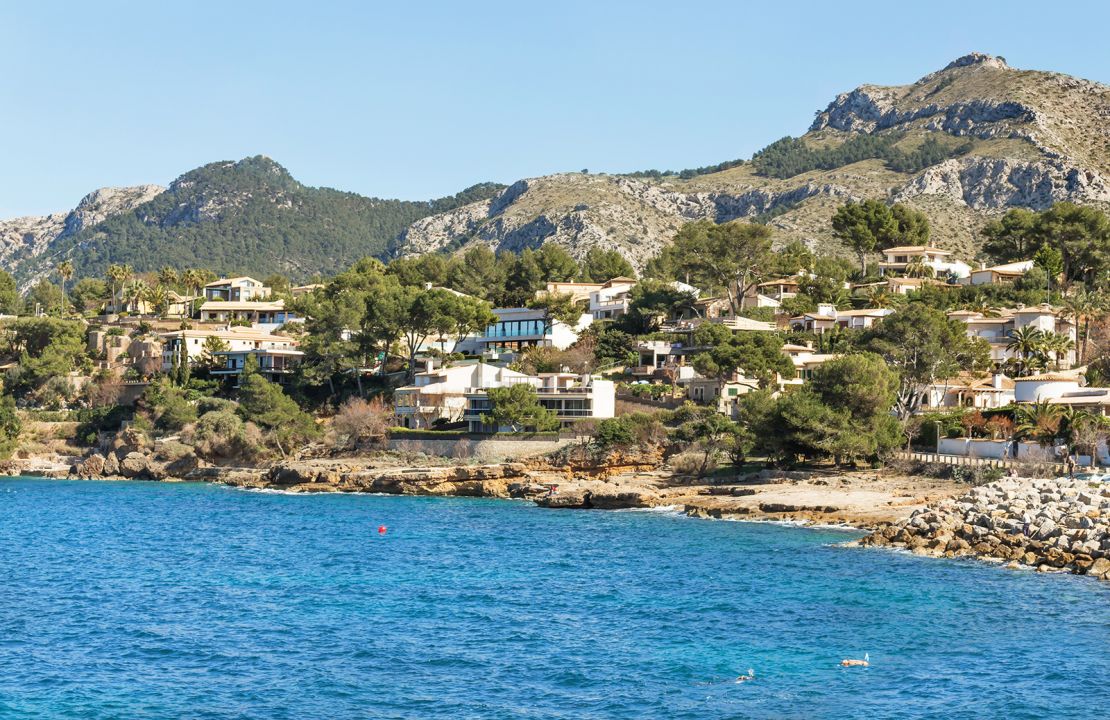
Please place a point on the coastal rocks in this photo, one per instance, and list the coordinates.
(602, 497)
(1060, 524)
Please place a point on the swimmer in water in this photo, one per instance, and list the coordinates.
(746, 678)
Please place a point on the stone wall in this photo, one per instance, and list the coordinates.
(463, 448)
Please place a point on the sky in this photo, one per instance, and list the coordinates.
(417, 100)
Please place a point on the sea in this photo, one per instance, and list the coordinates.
(177, 600)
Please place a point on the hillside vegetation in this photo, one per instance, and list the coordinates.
(247, 216)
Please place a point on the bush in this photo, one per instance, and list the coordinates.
(360, 422)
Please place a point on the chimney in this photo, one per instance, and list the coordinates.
(428, 365)
(996, 381)
(427, 286)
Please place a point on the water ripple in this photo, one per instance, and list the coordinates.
(124, 600)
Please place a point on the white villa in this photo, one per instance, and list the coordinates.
(896, 259)
(968, 390)
(827, 317)
(518, 328)
(572, 398)
(236, 288)
(439, 395)
(237, 341)
(999, 273)
(998, 330)
(612, 299)
(722, 393)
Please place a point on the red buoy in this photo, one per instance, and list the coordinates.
(381, 529)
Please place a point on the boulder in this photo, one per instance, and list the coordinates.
(90, 467)
(134, 465)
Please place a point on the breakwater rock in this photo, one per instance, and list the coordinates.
(1053, 525)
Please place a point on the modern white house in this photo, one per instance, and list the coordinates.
(519, 328)
(257, 312)
(277, 364)
(828, 317)
(896, 259)
(236, 288)
(439, 395)
(571, 397)
(998, 331)
(612, 299)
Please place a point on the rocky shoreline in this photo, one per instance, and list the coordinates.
(1061, 525)
(1051, 525)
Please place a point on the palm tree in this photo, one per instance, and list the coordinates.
(1026, 341)
(65, 272)
(1081, 306)
(918, 268)
(191, 280)
(167, 277)
(1038, 421)
(1058, 344)
(159, 299)
(135, 293)
(117, 276)
(880, 297)
(985, 309)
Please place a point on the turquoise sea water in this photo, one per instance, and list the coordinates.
(144, 600)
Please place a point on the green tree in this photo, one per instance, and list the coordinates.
(518, 407)
(732, 257)
(46, 297)
(1081, 234)
(864, 228)
(266, 404)
(1027, 342)
(477, 273)
(601, 265)
(652, 301)
(913, 225)
(923, 346)
(65, 272)
(1050, 260)
(10, 301)
(10, 426)
(754, 354)
(1012, 237)
(87, 293)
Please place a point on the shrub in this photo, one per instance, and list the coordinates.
(359, 422)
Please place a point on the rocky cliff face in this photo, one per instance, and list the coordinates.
(28, 237)
(1037, 138)
(634, 216)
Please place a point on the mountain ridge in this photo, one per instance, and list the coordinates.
(962, 144)
(1032, 138)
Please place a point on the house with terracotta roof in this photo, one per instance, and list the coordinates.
(828, 317)
(897, 259)
(969, 390)
(1005, 273)
(998, 329)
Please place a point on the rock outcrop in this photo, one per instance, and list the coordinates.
(28, 237)
(1061, 524)
(1035, 138)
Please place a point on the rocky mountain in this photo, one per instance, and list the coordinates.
(231, 217)
(25, 239)
(961, 144)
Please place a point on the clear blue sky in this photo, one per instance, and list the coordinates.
(418, 100)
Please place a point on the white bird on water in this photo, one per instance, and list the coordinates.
(848, 662)
(746, 678)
